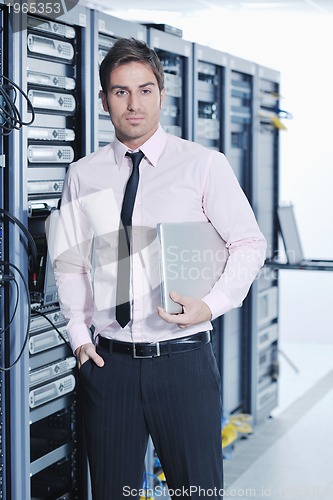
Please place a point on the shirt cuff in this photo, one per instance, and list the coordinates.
(218, 303)
(78, 334)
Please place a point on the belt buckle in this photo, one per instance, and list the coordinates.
(138, 356)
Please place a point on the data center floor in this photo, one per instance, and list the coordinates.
(291, 454)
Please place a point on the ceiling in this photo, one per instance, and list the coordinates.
(189, 7)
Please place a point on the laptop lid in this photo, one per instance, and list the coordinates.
(290, 234)
(192, 257)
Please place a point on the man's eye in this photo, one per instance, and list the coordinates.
(146, 91)
(121, 92)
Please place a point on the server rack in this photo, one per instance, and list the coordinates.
(177, 60)
(54, 61)
(239, 85)
(35, 173)
(3, 33)
(209, 120)
(263, 332)
(209, 69)
(238, 149)
(266, 154)
(263, 345)
(105, 30)
(17, 424)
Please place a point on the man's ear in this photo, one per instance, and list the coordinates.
(162, 98)
(104, 101)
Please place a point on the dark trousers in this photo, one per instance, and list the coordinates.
(174, 398)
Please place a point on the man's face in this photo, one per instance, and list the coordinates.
(134, 102)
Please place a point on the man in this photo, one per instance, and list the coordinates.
(154, 373)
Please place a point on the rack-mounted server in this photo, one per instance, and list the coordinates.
(176, 56)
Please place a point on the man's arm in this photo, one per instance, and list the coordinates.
(70, 254)
(227, 208)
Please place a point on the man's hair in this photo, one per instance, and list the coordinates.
(124, 51)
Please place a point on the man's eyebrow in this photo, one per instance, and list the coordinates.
(146, 84)
(125, 87)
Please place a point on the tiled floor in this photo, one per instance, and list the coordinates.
(291, 455)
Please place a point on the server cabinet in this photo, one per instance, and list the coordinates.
(263, 346)
(239, 109)
(177, 60)
(210, 126)
(16, 389)
(266, 154)
(53, 72)
(239, 83)
(209, 70)
(105, 30)
(58, 69)
(263, 332)
(3, 313)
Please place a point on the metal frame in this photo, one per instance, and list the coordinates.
(234, 343)
(20, 418)
(17, 400)
(3, 304)
(263, 390)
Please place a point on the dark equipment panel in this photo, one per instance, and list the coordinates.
(176, 57)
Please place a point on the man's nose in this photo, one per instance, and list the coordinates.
(133, 102)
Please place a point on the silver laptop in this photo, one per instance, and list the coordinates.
(292, 241)
(192, 257)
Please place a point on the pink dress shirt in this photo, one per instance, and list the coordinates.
(179, 181)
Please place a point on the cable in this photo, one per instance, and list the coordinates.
(53, 325)
(3, 279)
(147, 487)
(9, 113)
(7, 368)
(25, 231)
(282, 113)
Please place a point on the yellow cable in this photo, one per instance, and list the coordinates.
(229, 435)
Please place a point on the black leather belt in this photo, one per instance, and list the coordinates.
(153, 350)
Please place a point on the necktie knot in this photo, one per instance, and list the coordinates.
(135, 157)
(131, 189)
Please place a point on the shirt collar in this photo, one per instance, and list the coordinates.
(152, 149)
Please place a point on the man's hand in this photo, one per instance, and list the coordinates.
(194, 311)
(86, 351)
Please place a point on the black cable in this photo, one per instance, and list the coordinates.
(54, 326)
(25, 231)
(26, 338)
(4, 280)
(10, 116)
